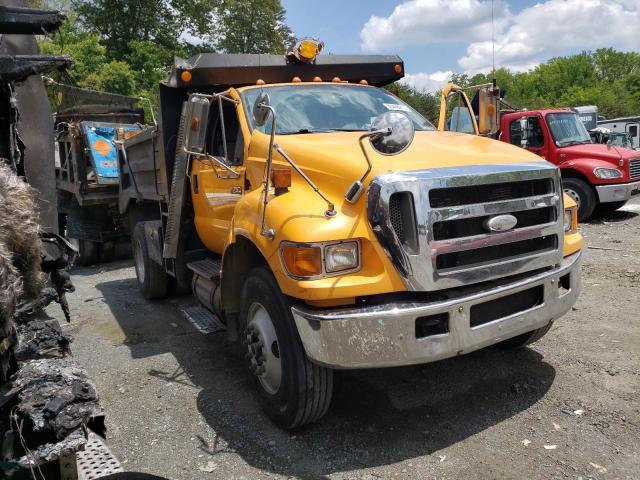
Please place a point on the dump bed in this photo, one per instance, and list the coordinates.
(142, 169)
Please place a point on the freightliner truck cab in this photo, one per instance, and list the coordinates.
(330, 226)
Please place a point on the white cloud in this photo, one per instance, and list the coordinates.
(420, 22)
(429, 82)
(553, 27)
(535, 34)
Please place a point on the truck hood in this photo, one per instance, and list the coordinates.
(339, 153)
(611, 154)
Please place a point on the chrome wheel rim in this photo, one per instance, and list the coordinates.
(574, 196)
(139, 260)
(263, 348)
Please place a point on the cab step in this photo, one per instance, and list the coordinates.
(207, 268)
(203, 320)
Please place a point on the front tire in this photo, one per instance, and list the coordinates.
(152, 279)
(293, 391)
(525, 339)
(583, 194)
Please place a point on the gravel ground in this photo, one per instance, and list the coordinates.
(179, 404)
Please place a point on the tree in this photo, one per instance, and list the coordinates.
(84, 48)
(113, 77)
(118, 22)
(149, 62)
(606, 78)
(252, 26)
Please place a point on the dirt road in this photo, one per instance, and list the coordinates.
(179, 403)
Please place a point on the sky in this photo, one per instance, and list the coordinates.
(436, 38)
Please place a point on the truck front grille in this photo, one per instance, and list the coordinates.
(468, 227)
(433, 224)
(454, 197)
(634, 169)
(479, 256)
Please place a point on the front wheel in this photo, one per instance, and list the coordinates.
(292, 390)
(582, 193)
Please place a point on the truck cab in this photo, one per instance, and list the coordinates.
(330, 226)
(593, 174)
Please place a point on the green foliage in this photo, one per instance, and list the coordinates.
(253, 26)
(606, 78)
(88, 54)
(127, 47)
(113, 77)
(118, 22)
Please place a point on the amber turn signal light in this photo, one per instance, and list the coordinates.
(302, 261)
(281, 178)
(186, 76)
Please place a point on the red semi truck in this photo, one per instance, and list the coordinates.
(594, 175)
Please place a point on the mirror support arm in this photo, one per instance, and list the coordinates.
(357, 188)
(375, 133)
(331, 209)
(267, 174)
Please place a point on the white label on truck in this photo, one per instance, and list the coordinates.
(397, 107)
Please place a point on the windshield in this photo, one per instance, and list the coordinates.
(326, 108)
(567, 129)
(620, 139)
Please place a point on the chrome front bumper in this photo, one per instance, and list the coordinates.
(386, 335)
(618, 192)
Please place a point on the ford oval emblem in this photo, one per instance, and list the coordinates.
(500, 223)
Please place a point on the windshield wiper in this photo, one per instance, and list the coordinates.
(319, 130)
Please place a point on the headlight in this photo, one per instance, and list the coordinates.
(571, 220)
(602, 172)
(318, 260)
(341, 256)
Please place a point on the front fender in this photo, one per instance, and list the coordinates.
(298, 216)
(585, 166)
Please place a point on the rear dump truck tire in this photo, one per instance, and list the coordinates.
(293, 391)
(88, 251)
(583, 195)
(152, 279)
(525, 339)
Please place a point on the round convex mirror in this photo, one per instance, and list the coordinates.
(396, 135)
(260, 114)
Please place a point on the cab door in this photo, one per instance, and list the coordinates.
(633, 131)
(536, 138)
(217, 178)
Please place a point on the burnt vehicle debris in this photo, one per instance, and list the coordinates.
(49, 406)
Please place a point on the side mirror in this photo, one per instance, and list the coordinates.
(196, 118)
(259, 112)
(392, 132)
(524, 132)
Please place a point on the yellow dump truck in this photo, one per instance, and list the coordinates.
(330, 226)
